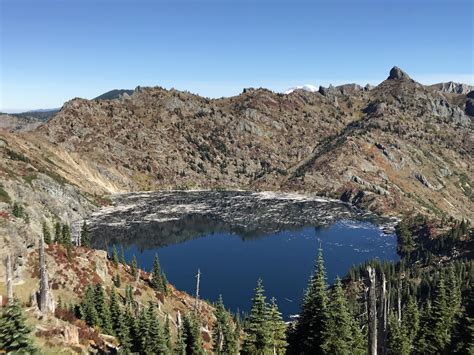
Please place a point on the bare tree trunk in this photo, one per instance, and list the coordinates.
(399, 300)
(384, 302)
(9, 278)
(178, 319)
(196, 304)
(43, 291)
(383, 316)
(372, 309)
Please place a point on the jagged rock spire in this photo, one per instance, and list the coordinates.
(397, 74)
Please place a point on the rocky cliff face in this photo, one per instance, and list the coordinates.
(451, 87)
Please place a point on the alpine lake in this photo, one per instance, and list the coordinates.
(235, 237)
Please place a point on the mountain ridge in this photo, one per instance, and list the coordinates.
(393, 149)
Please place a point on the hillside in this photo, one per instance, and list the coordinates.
(394, 147)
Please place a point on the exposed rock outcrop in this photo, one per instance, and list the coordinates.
(397, 74)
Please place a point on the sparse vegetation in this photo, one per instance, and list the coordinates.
(4, 197)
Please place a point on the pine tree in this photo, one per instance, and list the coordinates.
(180, 345)
(66, 235)
(192, 335)
(277, 329)
(86, 238)
(134, 267)
(157, 341)
(88, 310)
(338, 337)
(157, 280)
(58, 233)
(312, 322)
(117, 281)
(439, 332)
(123, 333)
(167, 333)
(143, 331)
(115, 311)
(129, 296)
(411, 319)
(258, 338)
(453, 297)
(219, 325)
(224, 340)
(115, 256)
(122, 256)
(421, 343)
(103, 311)
(14, 333)
(131, 325)
(397, 340)
(463, 335)
(46, 233)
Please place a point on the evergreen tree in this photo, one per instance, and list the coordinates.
(453, 297)
(134, 267)
(167, 333)
(115, 311)
(258, 339)
(115, 256)
(180, 345)
(421, 343)
(14, 333)
(117, 281)
(88, 310)
(224, 340)
(143, 331)
(103, 311)
(66, 235)
(397, 340)
(438, 334)
(157, 280)
(46, 233)
(219, 325)
(157, 341)
(359, 338)
(314, 316)
(123, 333)
(192, 335)
(411, 319)
(131, 325)
(277, 329)
(463, 335)
(86, 238)
(58, 233)
(129, 296)
(338, 337)
(122, 256)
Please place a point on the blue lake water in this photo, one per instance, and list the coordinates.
(230, 265)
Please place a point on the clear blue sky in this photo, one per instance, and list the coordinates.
(52, 51)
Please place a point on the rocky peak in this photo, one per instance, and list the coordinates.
(397, 74)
